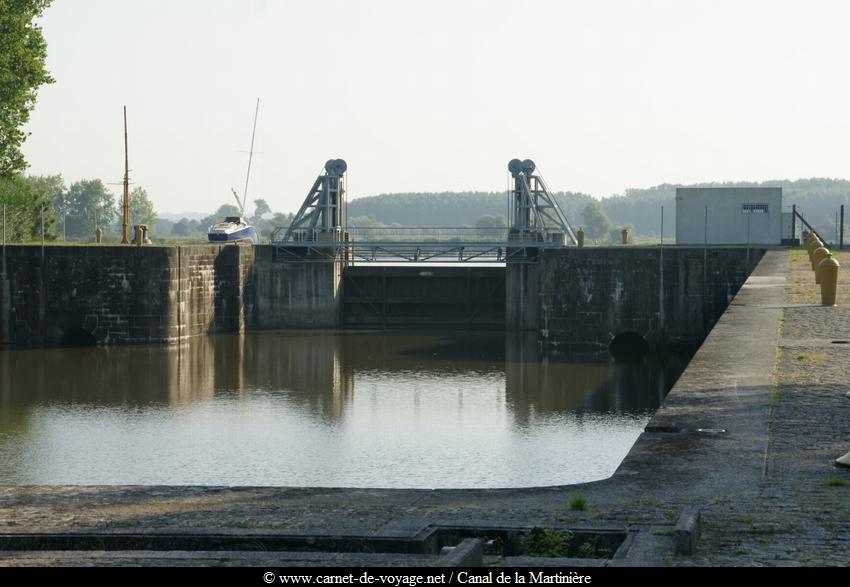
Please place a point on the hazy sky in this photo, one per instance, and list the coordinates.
(438, 95)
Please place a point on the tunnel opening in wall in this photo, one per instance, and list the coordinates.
(628, 347)
(78, 337)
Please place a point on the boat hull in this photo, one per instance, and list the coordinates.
(247, 233)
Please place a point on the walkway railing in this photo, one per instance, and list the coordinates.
(414, 244)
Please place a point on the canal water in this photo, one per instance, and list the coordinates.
(343, 409)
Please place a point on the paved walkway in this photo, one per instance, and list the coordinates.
(748, 434)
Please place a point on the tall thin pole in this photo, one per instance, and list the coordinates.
(125, 222)
(794, 225)
(836, 229)
(661, 275)
(42, 231)
(250, 156)
(841, 233)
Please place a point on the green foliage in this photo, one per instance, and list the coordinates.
(51, 186)
(578, 503)
(548, 542)
(367, 221)
(24, 202)
(596, 222)
(219, 215)
(261, 208)
(188, 227)
(86, 201)
(141, 208)
(492, 221)
(22, 71)
(282, 219)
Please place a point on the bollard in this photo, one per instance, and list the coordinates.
(580, 237)
(818, 256)
(98, 235)
(138, 240)
(625, 236)
(828, 280)
(813, 244)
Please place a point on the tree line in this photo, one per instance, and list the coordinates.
(36, 206)
(638, 209)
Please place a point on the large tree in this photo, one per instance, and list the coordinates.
(219, 215)
(596, 221)
(88, 200)
(141, 208)
(26, 209)
(22, 72)
(261, 209)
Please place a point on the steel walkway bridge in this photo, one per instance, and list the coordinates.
(318, 233)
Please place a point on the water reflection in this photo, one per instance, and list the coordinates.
(332, 408)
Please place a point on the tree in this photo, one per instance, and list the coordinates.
(51, 186)
(219, 215)
(22, 71)
(282, 218)
(492, 221)
(181, 228)
(261, 208)
(87, 200)
(24, 207)
(141, 208)
(596, 222)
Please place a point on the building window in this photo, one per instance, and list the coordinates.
(753, 208)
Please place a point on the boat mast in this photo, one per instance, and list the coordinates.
(250, 157)
(125, 222)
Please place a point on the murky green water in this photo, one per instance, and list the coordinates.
(320, 409)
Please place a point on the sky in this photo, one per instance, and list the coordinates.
(437, 95)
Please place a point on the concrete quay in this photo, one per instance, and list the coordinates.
(740, 456)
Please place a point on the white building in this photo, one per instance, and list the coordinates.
(730, 216)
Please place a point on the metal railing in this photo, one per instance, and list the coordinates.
(414, 244)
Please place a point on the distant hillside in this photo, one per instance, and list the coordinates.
(818, 199)
(446, 208)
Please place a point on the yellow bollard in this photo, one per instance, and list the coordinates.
(815, 244)
(580, 237)
(98, 235)
(625, 236)
(828, 269)
(818, 256)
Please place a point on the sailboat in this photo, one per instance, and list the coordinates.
(236, 228)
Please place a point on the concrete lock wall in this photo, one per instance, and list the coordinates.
(123, 295)
(295, 295)
(571, 296)
(586, 297)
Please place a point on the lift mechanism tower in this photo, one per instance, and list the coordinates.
(322, 215)
(536, 214)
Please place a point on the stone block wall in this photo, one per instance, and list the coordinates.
(586, 297)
